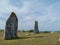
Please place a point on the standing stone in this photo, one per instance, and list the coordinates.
(11, 27)
(36, 30)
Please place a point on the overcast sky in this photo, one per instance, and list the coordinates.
(46, 12)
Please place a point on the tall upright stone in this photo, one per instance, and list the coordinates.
(36, 30)
(11, 27)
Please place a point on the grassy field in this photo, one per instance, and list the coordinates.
(32, 39)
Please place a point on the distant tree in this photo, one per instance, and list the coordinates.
(19, 31)
(31, 30)
(23, 31)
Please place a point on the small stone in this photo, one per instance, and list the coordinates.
(59, 40)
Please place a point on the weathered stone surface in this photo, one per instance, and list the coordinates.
(11, 27)
(36, 30)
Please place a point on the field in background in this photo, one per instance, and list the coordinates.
(32, 39)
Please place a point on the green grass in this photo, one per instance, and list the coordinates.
(32, 39)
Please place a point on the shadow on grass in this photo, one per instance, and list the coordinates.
(39, 36)
(26, 37)
(18, 38)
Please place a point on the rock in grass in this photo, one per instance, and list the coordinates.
(11, 27)
(36, 30)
